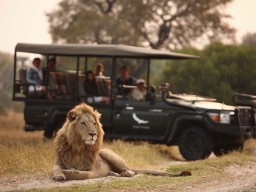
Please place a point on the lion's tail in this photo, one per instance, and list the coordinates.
(159, 173)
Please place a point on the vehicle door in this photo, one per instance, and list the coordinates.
(140, 118)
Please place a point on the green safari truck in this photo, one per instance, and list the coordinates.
(198, 125)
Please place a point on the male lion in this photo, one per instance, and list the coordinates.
(79, 154)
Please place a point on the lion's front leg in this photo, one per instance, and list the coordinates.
(116, 163)
(57, 173)
(72, 174)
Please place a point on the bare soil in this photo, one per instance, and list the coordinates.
(234, 178)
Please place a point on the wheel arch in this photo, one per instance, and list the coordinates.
(181, 124)
(55, 115)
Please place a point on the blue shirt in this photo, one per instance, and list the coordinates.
(33, 76)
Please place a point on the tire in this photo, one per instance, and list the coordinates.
(53, 128)
(220, 151)
(195, 143)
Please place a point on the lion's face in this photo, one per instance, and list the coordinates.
(84, 123)
(87, 128)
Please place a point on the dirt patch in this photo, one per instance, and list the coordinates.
(234, 178)
(44, 182)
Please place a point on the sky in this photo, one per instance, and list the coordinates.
(25, 21)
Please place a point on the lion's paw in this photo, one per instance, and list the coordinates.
(128, 173)
(72, 174)
(113, 174)
(60, 177)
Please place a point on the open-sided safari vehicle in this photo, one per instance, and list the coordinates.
(198, 125)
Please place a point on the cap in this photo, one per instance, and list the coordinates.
(140, 81)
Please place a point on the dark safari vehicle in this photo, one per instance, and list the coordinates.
(131, 107)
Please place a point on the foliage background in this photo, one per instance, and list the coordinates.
(222, 69)
(6, 83)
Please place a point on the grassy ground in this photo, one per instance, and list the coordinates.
(27, 153)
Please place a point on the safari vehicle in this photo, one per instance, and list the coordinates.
(198, 125)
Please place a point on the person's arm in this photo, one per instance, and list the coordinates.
(134, 80)
(29, 75)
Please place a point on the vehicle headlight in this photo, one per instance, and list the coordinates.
(220, 117)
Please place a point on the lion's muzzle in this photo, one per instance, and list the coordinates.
(92, 140)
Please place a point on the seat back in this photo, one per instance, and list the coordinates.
(23, 81)
(103, 87)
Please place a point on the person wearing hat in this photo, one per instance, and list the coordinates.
(140, 91)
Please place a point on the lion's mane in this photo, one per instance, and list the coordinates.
(68, 144)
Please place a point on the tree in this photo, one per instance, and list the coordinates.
(6, 83)
(221, 71)
(250, 39)
(155, 23)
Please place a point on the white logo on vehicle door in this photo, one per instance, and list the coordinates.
(138, 120)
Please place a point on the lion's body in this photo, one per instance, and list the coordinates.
(78, 147)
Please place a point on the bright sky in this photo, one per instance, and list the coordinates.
(25, 20)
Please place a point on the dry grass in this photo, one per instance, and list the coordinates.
(22, 152)
(140, 155)
(27, 152)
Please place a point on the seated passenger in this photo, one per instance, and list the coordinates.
(91, 88)
(124, 79)
(51, 67)
(90, 85)
(140, 91)
(99, 71)
(34, 76)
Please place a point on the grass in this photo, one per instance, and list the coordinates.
(27, 153)
(21, 152)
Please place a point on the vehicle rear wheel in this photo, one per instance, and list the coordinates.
(219, 151)
(195, 143)
(53, 128)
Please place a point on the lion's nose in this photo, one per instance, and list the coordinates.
(92, 134)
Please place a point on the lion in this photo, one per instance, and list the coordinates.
(79, 152)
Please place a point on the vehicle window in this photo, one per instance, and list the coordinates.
(66, 63)
(97, 80)
(106, 63)
(24, 62)
(137, 67)
(130, 72)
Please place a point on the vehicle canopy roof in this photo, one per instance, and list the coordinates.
(100, 50)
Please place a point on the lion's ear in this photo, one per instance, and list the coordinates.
(72, 115)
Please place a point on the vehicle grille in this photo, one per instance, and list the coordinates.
(245, 117)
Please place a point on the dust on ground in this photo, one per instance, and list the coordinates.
(234, 178)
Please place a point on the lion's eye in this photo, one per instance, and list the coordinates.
(83, 123)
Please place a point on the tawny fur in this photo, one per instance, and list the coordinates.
(79, 153)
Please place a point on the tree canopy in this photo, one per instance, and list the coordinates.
(153, 23)
(249, 39)
(221, 71)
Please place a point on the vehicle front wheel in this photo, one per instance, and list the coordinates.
(195, 143)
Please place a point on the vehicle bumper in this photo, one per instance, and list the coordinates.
(239, 132)
(248, 132)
